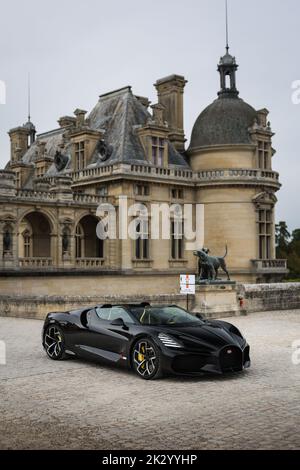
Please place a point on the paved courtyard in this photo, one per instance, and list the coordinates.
(74, 404)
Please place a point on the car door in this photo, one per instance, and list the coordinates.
(104, 339)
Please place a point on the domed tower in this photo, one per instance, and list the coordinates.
(231, 151)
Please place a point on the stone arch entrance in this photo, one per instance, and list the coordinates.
(88, 244)
(35, 238)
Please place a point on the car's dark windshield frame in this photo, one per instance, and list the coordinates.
(138, 311)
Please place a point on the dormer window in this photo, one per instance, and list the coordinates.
(79, 155)
(158, 148)
(40, 171)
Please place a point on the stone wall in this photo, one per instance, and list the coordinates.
(38, 306)
(212, 301)
(267, 297)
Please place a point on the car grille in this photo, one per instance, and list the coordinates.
(231, 359)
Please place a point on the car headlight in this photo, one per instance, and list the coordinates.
(168, 341)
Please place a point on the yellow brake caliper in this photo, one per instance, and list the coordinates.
(141, 355)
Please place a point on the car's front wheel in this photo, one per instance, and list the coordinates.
(146, 360)
(54, 343)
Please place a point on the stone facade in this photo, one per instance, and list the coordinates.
(53, 184)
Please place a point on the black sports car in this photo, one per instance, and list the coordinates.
(152, 340)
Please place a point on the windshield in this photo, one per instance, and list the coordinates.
(164, 316)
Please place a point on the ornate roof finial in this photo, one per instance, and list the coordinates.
(29, 126)
(28, 96)
(227, 34)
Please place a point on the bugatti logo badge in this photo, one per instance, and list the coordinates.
(229, 351)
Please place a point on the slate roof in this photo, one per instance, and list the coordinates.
(119, 114)
(225, 122)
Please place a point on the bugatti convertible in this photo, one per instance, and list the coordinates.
(152, 340)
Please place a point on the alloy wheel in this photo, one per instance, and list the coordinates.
(145, 359)
(53, 342)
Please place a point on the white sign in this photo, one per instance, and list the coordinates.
(188, 279)
(187, 284)
(187, 289)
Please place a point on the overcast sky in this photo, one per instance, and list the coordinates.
(77, 50)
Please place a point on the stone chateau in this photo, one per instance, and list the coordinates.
(54, 182)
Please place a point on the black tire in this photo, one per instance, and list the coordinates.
(146, 359)
(54, 343)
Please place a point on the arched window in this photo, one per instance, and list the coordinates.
(79, 236)
(177, 239)
(88, 245)
(142, 242)
(35, 234)
(27, 243)
(7, 239)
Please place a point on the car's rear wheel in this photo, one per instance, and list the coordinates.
(54, 343)
(146, 360)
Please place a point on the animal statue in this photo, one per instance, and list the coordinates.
(208, 266)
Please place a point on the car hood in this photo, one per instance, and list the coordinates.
(207, 335)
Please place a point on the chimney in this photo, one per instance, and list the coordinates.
(41, 149)
(18, 143)
(80, 117)
(170, 95)
(66, 121)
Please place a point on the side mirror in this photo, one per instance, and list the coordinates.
(119, 322)
(198, 315)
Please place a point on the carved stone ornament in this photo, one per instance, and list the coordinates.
(104, 150)
(7, 240)
(60, 161)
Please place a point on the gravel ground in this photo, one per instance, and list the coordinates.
(79, 405)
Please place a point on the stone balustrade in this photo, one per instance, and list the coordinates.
(37, 195)
(205, 176)
(80, 198)
(239, 174)
(89, 263)
(175, 173)
(35, 262)
(44, 262)
(93, 172)
(161, 172)
(146, 170)
(89, 198)
(270, 265)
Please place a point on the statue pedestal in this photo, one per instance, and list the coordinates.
(217, 299)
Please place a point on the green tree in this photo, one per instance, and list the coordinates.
(282, 236)
(296, 235)
(294, 254)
